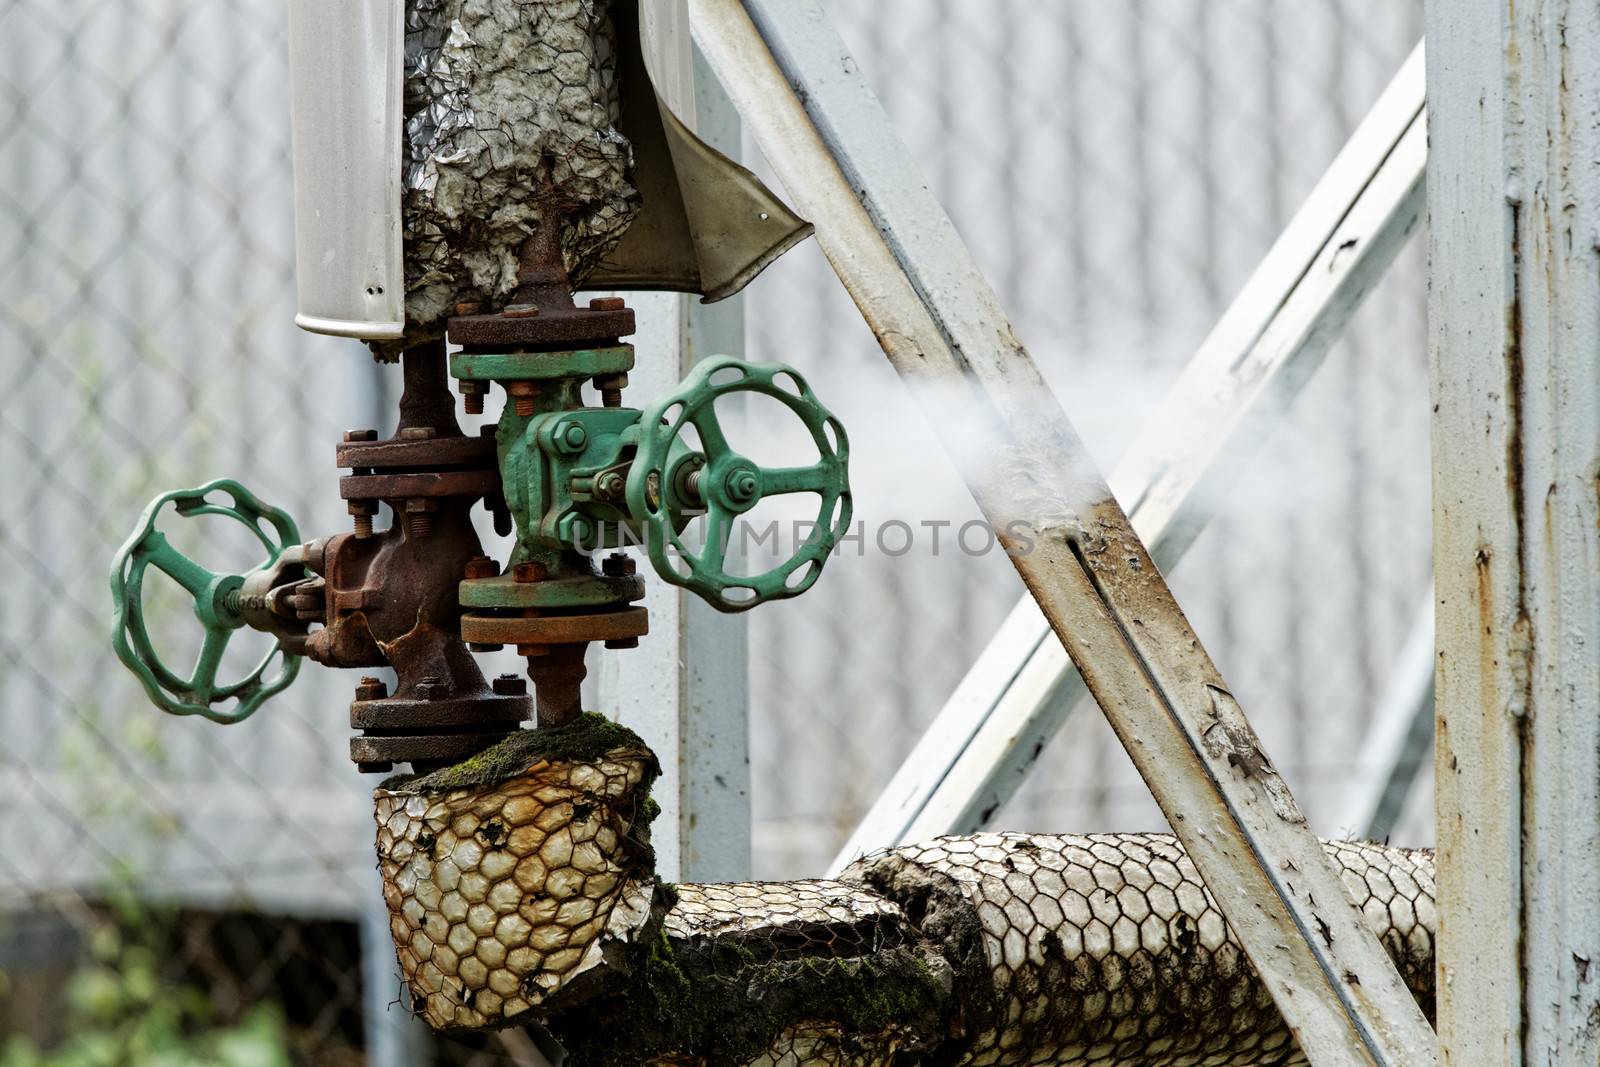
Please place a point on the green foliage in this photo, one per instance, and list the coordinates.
(121, 1013)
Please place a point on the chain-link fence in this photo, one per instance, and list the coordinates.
(166, 887)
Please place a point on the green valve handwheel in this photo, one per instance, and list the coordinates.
(217, 604)
(669, 484)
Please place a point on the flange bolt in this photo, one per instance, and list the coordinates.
(522, 395)
(371, 689)
(431, 688)
(531, 571)
(356, 436)
(362, 511)
(509, 685)
(480, 567)
(611, 386)
(419, 515)
(418, 433)
(618, 565)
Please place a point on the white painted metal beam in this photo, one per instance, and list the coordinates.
(1237, 387)
(1514, 323)
(685, 689)
(939, 323)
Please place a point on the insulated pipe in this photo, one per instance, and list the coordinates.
(521, 888)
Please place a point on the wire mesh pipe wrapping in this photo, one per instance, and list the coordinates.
(520, 889)
(510, 112)
(511, 878)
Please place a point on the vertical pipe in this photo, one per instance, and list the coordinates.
(685, 689)
(394, 1038)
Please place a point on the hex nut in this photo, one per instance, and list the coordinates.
(570, 437)
(510, 685)
(610, 486)
(529, 571)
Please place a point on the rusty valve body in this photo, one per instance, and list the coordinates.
(390, 597)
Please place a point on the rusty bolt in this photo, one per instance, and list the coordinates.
(431, 688)
(623, 642)
(419, 515)
(468, 307)
(484, 646)
(371, 689)
(607, 303)
(362, 511)
(509, 685)
(532, 651)
(521, 311)
(611, 387)
(472, 393)
(418, 433)
(481, 567)
(618, 565)
(360, 435)
(522, 394)
(531, 571)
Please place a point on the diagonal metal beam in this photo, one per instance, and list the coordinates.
(1239, 385)
(942, 329)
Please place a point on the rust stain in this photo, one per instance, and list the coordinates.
(1483, 563)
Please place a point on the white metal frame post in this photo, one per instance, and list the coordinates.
(685, 688)
(1514, 320)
